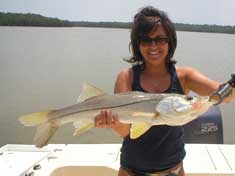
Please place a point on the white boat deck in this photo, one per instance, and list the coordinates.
(103, 160)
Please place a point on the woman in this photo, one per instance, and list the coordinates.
(160, 151)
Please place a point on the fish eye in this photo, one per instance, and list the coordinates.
(188, 98)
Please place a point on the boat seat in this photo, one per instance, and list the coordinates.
(206, 129)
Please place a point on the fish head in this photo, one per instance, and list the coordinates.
(181, 109)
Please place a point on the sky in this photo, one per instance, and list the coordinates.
(219, 12)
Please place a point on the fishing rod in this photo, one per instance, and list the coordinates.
(224, 90)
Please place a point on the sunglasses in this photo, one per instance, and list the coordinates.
(157, 40)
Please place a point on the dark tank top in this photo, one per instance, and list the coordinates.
(162, 146)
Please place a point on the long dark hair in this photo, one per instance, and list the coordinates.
(145, 21)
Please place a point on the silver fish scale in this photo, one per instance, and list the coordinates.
(108, 101)
(117, 100)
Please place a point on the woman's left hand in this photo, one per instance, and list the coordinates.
(229, 98)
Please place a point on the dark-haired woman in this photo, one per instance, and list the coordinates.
(160, 151)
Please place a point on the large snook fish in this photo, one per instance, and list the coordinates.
(142, 110)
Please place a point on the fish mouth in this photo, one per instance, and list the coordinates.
(206, 99)
(202, 102)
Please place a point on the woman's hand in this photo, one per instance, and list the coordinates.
(229, 98)
(105, 119)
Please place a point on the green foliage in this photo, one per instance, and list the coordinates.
(178, 26)
(205, 28)
(102, 24)
(18, 19)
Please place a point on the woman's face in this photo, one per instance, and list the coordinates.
(154, 47)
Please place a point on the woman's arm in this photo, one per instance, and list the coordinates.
(195, 81)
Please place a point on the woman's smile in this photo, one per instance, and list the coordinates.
(154, 53)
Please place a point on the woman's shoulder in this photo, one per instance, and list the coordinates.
(124, 80)
(125, 73)
(183, 71)
(183, 68)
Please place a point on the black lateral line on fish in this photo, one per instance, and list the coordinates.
(107, 107)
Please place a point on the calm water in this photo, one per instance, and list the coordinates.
(44, 68)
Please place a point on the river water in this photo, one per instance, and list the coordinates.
(44, 68)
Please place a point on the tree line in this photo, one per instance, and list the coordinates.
(19, 19)
(178, 26)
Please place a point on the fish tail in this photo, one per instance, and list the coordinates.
(34, 119)
(43, 134)
(45, 129)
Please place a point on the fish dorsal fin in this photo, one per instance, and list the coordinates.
(89, 91)
(137, 129)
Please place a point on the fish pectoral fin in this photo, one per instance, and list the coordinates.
(137, 129)
(81, 127)
(89, 91)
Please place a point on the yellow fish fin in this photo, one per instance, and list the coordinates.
(34, 119)
(137, 129)
(89, 91)
(82, 126)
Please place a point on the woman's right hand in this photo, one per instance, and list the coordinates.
(106, 119)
